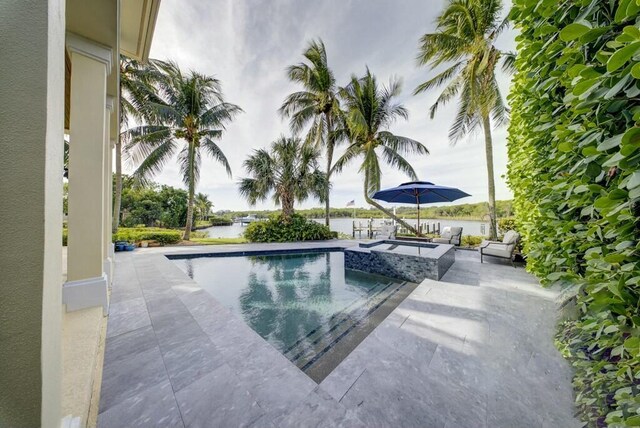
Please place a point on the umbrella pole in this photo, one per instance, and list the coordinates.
(419, 231)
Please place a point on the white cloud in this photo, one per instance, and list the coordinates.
(248, 45)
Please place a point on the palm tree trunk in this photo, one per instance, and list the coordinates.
(117, 199)
(287, 207)
(488, 147)
(330, 144)
(390, 214)
(192, 188)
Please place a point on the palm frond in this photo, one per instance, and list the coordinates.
(219, 115)
(213, 150)
(155, 160)
(450, 92)
(395, 160)
(440, 79)
(508, 62)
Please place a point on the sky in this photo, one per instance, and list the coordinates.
(248, 44)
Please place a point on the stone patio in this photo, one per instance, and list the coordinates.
(472, 350)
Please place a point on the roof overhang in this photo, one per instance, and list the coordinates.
(137, 24)
(124, 26)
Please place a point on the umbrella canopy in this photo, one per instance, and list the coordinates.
(419, 192)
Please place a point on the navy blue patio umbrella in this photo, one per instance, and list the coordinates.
(419, 192)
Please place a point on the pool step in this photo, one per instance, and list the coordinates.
(335, 319)
(311, 348)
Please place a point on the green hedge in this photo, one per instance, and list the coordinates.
(133, 235)
(574, 167)
(162, 236)
(220, 221)
(297, 229)
(471, 241)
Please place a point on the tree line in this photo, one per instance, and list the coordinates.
(477, 211)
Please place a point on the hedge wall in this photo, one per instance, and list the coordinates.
(574, 167)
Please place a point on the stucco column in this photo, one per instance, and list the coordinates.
(108, 191)
(31, 166)
(87, 281)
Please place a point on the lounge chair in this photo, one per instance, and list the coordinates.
(387, 231)
(504, 249)
(449, 235)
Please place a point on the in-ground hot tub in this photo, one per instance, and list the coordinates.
(405, 260)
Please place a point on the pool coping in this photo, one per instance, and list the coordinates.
(242, 253)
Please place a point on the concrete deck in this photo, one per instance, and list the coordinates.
(473, 350)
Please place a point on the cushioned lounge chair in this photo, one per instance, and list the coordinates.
(503, 250)
(449, 235)
(387, 231)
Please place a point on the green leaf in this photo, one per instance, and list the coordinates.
(621, 56)
(573, 31)
(604, 202)
(632, 136)
(634, 181)
(617, 194)
(585, 85)
(610, 143)
(632, 31)
(593, 170)
(565, 147)
(632, 345)
(614, 258)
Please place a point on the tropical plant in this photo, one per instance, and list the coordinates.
(370, 110)
(203, 206)
(292, 229)
(316, 105)
(153, 205)
(465, 35)
(188, 109)
(289, 172)
(574, 168)
(136, 86)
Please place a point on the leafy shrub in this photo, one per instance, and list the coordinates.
(471, 241)
(574, 167)
(275, 229)
(65, 236)
(162, 236)
(507, 223)
(220, 221)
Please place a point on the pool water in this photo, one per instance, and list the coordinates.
(412, 250)
(303, 304)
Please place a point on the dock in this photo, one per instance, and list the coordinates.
(370, 231)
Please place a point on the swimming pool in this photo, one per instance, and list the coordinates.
(304, 304)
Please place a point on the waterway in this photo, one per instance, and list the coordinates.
(345, 225)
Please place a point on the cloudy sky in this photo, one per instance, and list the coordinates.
(248, 44)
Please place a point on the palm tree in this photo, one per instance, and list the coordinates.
(316, 105)
(188, 112)
(203, 205)
(136, 86)
(370, 110)
(289, 172)
(464, 40)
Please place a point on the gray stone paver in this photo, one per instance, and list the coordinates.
(472, 350)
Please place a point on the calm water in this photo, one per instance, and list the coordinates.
(345, 225)
(405, 249)
(302, 303)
